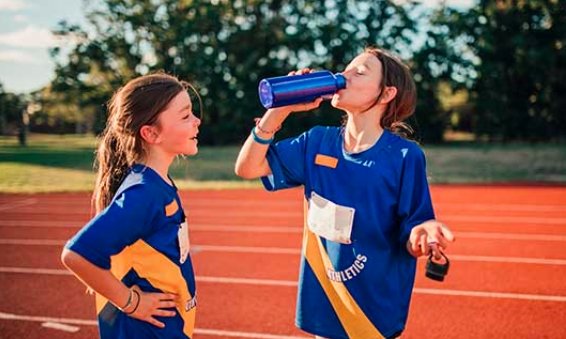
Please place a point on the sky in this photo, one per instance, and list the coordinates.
(25, 37)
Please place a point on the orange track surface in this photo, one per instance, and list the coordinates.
(507, 280)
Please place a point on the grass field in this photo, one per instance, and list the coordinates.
(64, 163)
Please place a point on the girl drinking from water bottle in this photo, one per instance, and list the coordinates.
(369, 208)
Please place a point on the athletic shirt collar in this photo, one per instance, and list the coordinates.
(151, 173)
(381, 142)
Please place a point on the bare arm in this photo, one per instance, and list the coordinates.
(105, 284)
(251, 162)
(100, 280)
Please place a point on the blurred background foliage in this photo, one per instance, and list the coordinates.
(494, 71)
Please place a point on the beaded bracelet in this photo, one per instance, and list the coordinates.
(257, 120)
(260, 140)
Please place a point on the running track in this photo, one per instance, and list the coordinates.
(507, 280)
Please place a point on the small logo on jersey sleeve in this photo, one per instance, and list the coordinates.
(171, 208)
(325, 160)
(404, 151)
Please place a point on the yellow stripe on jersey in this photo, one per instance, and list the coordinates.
(120, 265)
(171, 208)
(353, 319)
(161, 273)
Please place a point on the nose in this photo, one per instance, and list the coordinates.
(196, 122)
(347, 73)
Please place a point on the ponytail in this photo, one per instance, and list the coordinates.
(402, 129)
(112, 166)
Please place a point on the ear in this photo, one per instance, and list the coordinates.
(149, 134)
(389, 93)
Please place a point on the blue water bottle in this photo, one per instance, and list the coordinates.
(295, 89)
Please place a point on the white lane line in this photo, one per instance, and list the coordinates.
(18, 204)
(538, 297)
(274, 229)
(245, 249)
(510, 236)
(456, 257)
(201, 331)
(83, 202)
(298, 213)
(293, 283)
(498, 295)
(32, 242)
(245, 229)
(42, 223)
(246, 281)
(252, 335)
(11, 316)
(514, 260)
(502, 220)
(286, 229)
(30, 270)
(453, 257)
(60, 326)
(503, 207)
(193, 226)
(195, 248)
(450, 219)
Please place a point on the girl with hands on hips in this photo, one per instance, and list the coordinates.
(369, 210)
(134, 254)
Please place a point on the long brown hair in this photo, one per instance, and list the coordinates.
(396, 74)
(134, 105)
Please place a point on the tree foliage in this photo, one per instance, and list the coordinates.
(11, 108)
(508, 56)
(224, 48)
(511, 55)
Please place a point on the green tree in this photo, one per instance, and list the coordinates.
(11, 109)
(224, 48)
(512, 57)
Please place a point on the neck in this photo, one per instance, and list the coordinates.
(159, 162)
(362, 131)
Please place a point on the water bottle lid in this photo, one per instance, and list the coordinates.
(265, 93)
(340, 81)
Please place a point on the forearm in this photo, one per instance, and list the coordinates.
(100, 280)
(252, 162)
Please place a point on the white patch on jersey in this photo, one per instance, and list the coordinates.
(404, 151)
(184, 242)
(330, 220)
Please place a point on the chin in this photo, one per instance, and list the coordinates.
(340, 104)
(335, 102)
(192, 152)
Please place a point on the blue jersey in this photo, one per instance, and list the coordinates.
(357, 276)
(136, 238)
